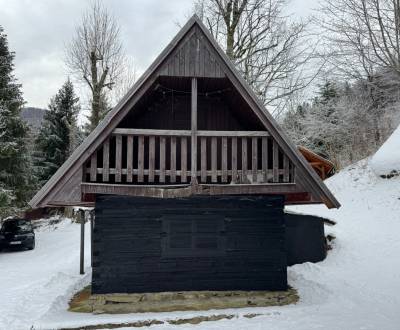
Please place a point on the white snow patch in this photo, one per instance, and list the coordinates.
(356, 287)
(386, 160)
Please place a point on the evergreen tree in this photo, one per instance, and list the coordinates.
(16, 180)
(104, 107)
(58, 135)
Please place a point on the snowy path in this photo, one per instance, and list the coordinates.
(31, 280)
(356, 287)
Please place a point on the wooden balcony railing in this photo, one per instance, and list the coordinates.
(138, 156)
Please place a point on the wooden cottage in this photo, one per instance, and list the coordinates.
(189, 175)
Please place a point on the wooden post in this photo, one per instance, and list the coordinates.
(193, 170)
(91, 236)
(82, 254)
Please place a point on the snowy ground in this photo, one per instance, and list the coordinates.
(356, 287)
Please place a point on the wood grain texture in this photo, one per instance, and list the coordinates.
(184, 156)
(129, 158)
(93, 167)
(203, 243)
(244, 160)
(118, 158)
(162, 158)
(173, 160)
(234, 160)
(106, 160)
(152, 157)
(214, 159)
(140, 158)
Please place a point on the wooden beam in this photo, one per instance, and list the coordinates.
(152, 157)
(203, 159)
(275, 160)
(234, 160)
(150, 132)
(194, 131)
(214, 159)
(162, 158)
(129, 158)
(183, 159)
(106, 159)
(224, 159)
(244, 160)
(140, 158)
(171, 191)
(264, 155)
(93, 166)
(233, 133)
(254, 158)
(118, 158)
(162, 132)
(173, 160)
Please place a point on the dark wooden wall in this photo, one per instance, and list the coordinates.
(305, 238)
(198, 243)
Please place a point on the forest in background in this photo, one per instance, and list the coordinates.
(331, 80)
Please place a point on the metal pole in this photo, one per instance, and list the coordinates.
(82, 256)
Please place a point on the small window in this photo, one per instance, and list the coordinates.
(186, 236)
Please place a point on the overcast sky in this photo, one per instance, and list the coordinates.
(39, 29)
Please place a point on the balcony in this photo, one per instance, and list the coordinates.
(164, 157)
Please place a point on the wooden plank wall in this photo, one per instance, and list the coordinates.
(193, 58)
(134, 252)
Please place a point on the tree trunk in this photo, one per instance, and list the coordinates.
(96, 108)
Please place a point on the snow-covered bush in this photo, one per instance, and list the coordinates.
(386, 161)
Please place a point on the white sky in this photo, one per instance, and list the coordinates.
(38, 30)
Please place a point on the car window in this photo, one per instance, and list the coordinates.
(16, 226)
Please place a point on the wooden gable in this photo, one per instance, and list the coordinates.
(192, 53)
(193, 57)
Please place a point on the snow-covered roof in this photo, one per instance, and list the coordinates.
(386, 161)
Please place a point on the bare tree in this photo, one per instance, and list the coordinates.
(125, 81)
(95, 55)
(270, 51)
(363, 42)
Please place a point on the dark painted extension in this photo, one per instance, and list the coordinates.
(305, 238)
(197, 243)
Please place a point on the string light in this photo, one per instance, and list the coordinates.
(171, 90)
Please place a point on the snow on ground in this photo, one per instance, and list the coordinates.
(356, 287)
(386, 160)
(31, 282)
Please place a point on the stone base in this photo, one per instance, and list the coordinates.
(119, 303)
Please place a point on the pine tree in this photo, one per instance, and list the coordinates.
(58, 135)
(16, 181)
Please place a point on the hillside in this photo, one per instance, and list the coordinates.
(33, 117)
(356, 287)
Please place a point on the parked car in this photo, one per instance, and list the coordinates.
(17, 233)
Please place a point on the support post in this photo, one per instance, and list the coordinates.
(91, 236)
(82, 253)
(193, 170)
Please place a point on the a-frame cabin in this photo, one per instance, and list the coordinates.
(189, 175)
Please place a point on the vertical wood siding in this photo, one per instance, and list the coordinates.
(213, 243)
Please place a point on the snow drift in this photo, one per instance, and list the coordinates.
(386, 161)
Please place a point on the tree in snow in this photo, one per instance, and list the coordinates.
(16, 180)
(362, 44)
(269, 49)
(96, 57)
(58, 136)
(339, 124)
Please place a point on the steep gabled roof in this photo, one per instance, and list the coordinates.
(305, 173)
